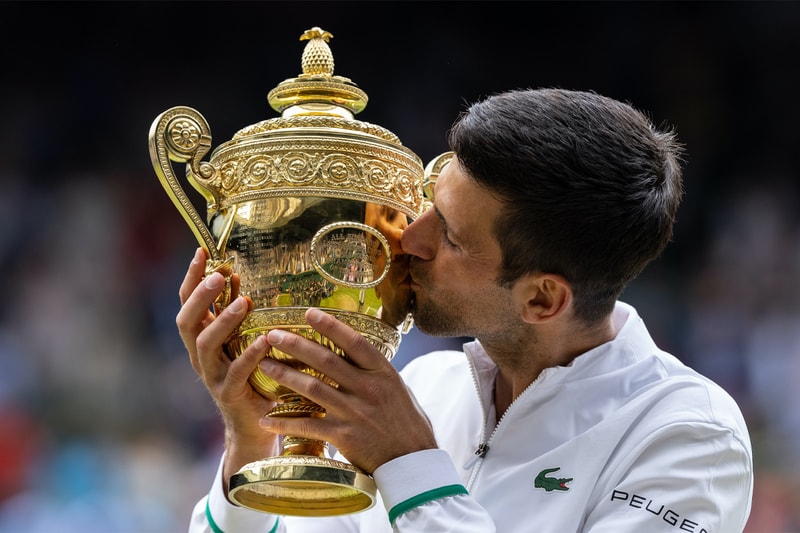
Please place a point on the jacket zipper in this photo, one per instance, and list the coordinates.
(476, 461)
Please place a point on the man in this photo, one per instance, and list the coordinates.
(563, 415)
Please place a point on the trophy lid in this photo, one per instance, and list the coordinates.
(316, 147)
(317, 90)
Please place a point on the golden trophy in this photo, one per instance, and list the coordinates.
(302, 210)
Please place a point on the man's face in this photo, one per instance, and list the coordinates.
(455, 260)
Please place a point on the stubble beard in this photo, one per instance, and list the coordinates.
(438, 318)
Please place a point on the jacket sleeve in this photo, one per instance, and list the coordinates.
(215, 514)
(422, 491)
(693, 477)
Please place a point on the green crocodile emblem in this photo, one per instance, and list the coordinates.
(551, 483)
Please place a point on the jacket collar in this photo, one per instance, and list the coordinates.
(631, 344)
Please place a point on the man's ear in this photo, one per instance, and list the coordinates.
(541, 297)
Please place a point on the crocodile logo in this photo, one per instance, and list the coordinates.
(549, 484)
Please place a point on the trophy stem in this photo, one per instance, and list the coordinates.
(294, 446)
(302, 481)
(295, 405)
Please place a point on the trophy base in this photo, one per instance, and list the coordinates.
(302, 485)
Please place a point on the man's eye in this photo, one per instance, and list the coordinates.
(447, 240)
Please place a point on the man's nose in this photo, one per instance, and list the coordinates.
(417, 238)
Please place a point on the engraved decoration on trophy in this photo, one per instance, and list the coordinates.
(305, 209)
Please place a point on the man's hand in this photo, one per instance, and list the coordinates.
(371, 417)
(204, 335)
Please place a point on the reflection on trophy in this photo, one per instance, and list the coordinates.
(302, 210)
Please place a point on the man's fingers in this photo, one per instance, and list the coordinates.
(195, 309)
(314, 355)
(361, 356)
(354, 344)
(194, 275)
(246, 363)
(307, 427)
(203, 336)
(210, 340)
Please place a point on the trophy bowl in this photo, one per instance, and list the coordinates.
(302, 210)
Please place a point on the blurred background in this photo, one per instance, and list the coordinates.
(104, 426)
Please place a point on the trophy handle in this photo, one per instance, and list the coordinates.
(432, 171)
(182, 135)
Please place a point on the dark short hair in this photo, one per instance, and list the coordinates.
(590, 185)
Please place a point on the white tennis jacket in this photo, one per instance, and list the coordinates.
(624, 439)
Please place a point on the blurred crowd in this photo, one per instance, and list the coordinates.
(104, 427)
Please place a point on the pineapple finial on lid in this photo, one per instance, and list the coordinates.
(317, 57)
(317, 91)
